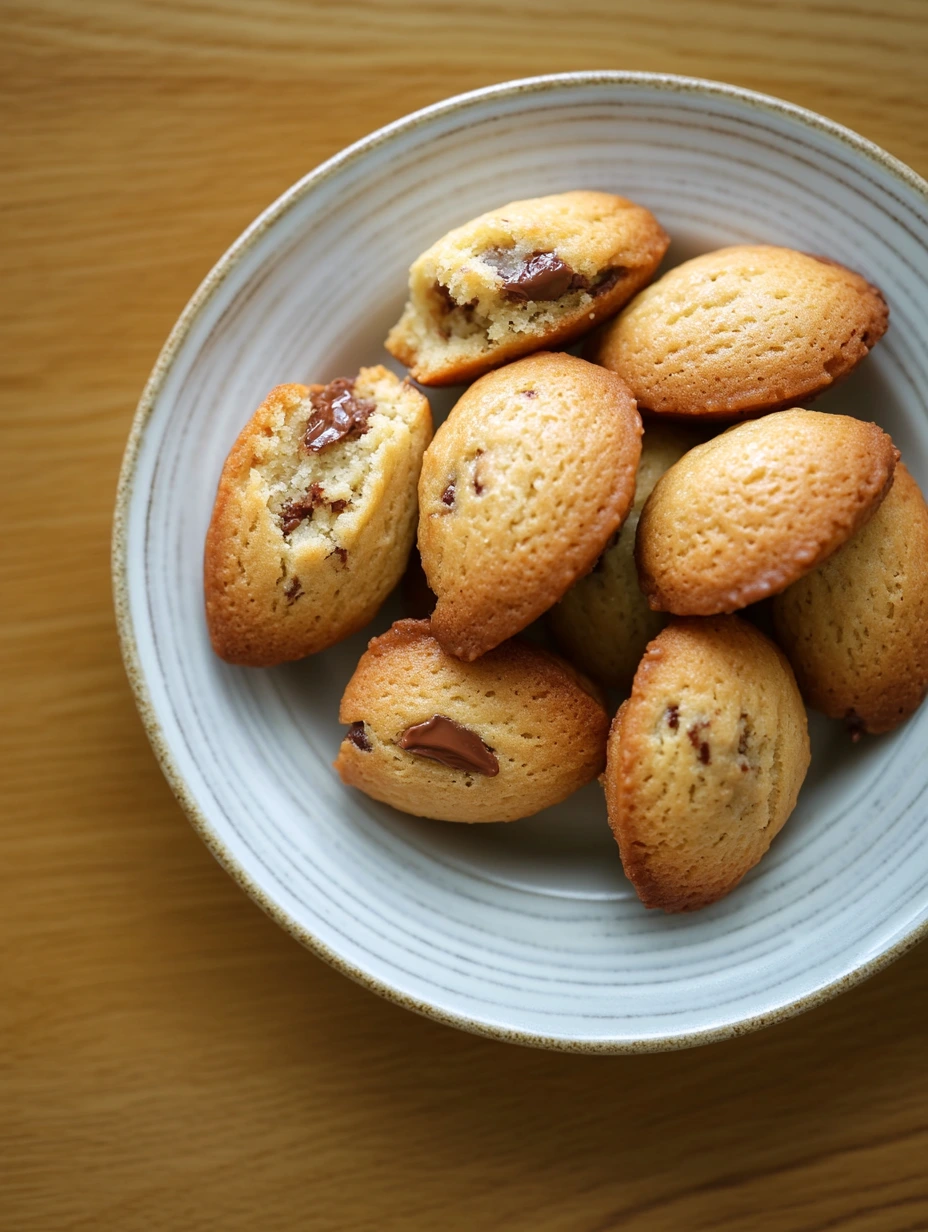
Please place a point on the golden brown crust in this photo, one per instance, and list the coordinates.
(705, 761)
(743, 330)
(520, 490)
(856, 628)
(748, 513)
(274, 594)
(232, 631)
(593, 232)
(542, 721)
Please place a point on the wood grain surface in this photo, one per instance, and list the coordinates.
(169, 1059)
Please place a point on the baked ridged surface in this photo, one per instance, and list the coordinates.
(541, 456)
(749, 512)
(743, 330)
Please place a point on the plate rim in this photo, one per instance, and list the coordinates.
(668, 82)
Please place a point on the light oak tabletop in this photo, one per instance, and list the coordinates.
(169, 1059)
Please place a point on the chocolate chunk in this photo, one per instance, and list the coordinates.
(293, 512)
(673, 717)
(540, 276)
(293, 590)
(607, 279)
(443, 740)
(337, 415)
(701, 746)
(479, 474)
(529, 393)
(447, 497)
(448, 303)
(341, 553)
(358, 737)
(444, 295)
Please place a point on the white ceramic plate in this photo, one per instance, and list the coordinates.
(526, 931)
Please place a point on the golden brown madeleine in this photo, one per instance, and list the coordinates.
(494, 740)
(314, 517)
(705, 761)
(528, 275)
(604, 622)
(856, 628)
(749, 512)
(523, 485)
(743, 330)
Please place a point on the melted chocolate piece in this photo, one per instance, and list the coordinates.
(541, 276)
(341, 553)
(337, 415)
(443, 740)
(673, 717)
(448, 303)
(358, 737)
(442, 292)
(293, 590)
(293, 512)
(447, 497)
(607, 279)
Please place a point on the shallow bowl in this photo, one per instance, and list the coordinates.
(528, 931)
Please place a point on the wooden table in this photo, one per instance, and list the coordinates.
(169, 1058)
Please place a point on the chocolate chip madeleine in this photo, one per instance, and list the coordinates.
(706, 759)
(494, 740)
(314, 517)
(529, 275)
(743, 330)
(521, 489)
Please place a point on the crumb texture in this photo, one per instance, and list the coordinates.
(528, 275)
(541, 721)
(705, 761)
(751, 511)
(306, 542)
(520, 491)
(604, 622)
(742, 330)
(856, 628)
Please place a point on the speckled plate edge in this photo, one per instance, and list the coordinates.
(203, 294)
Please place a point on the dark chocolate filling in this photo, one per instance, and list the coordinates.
(443, 740)
(358, 737)
(540, 276)
(337, 415)
(293, 590)
(294, 511)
